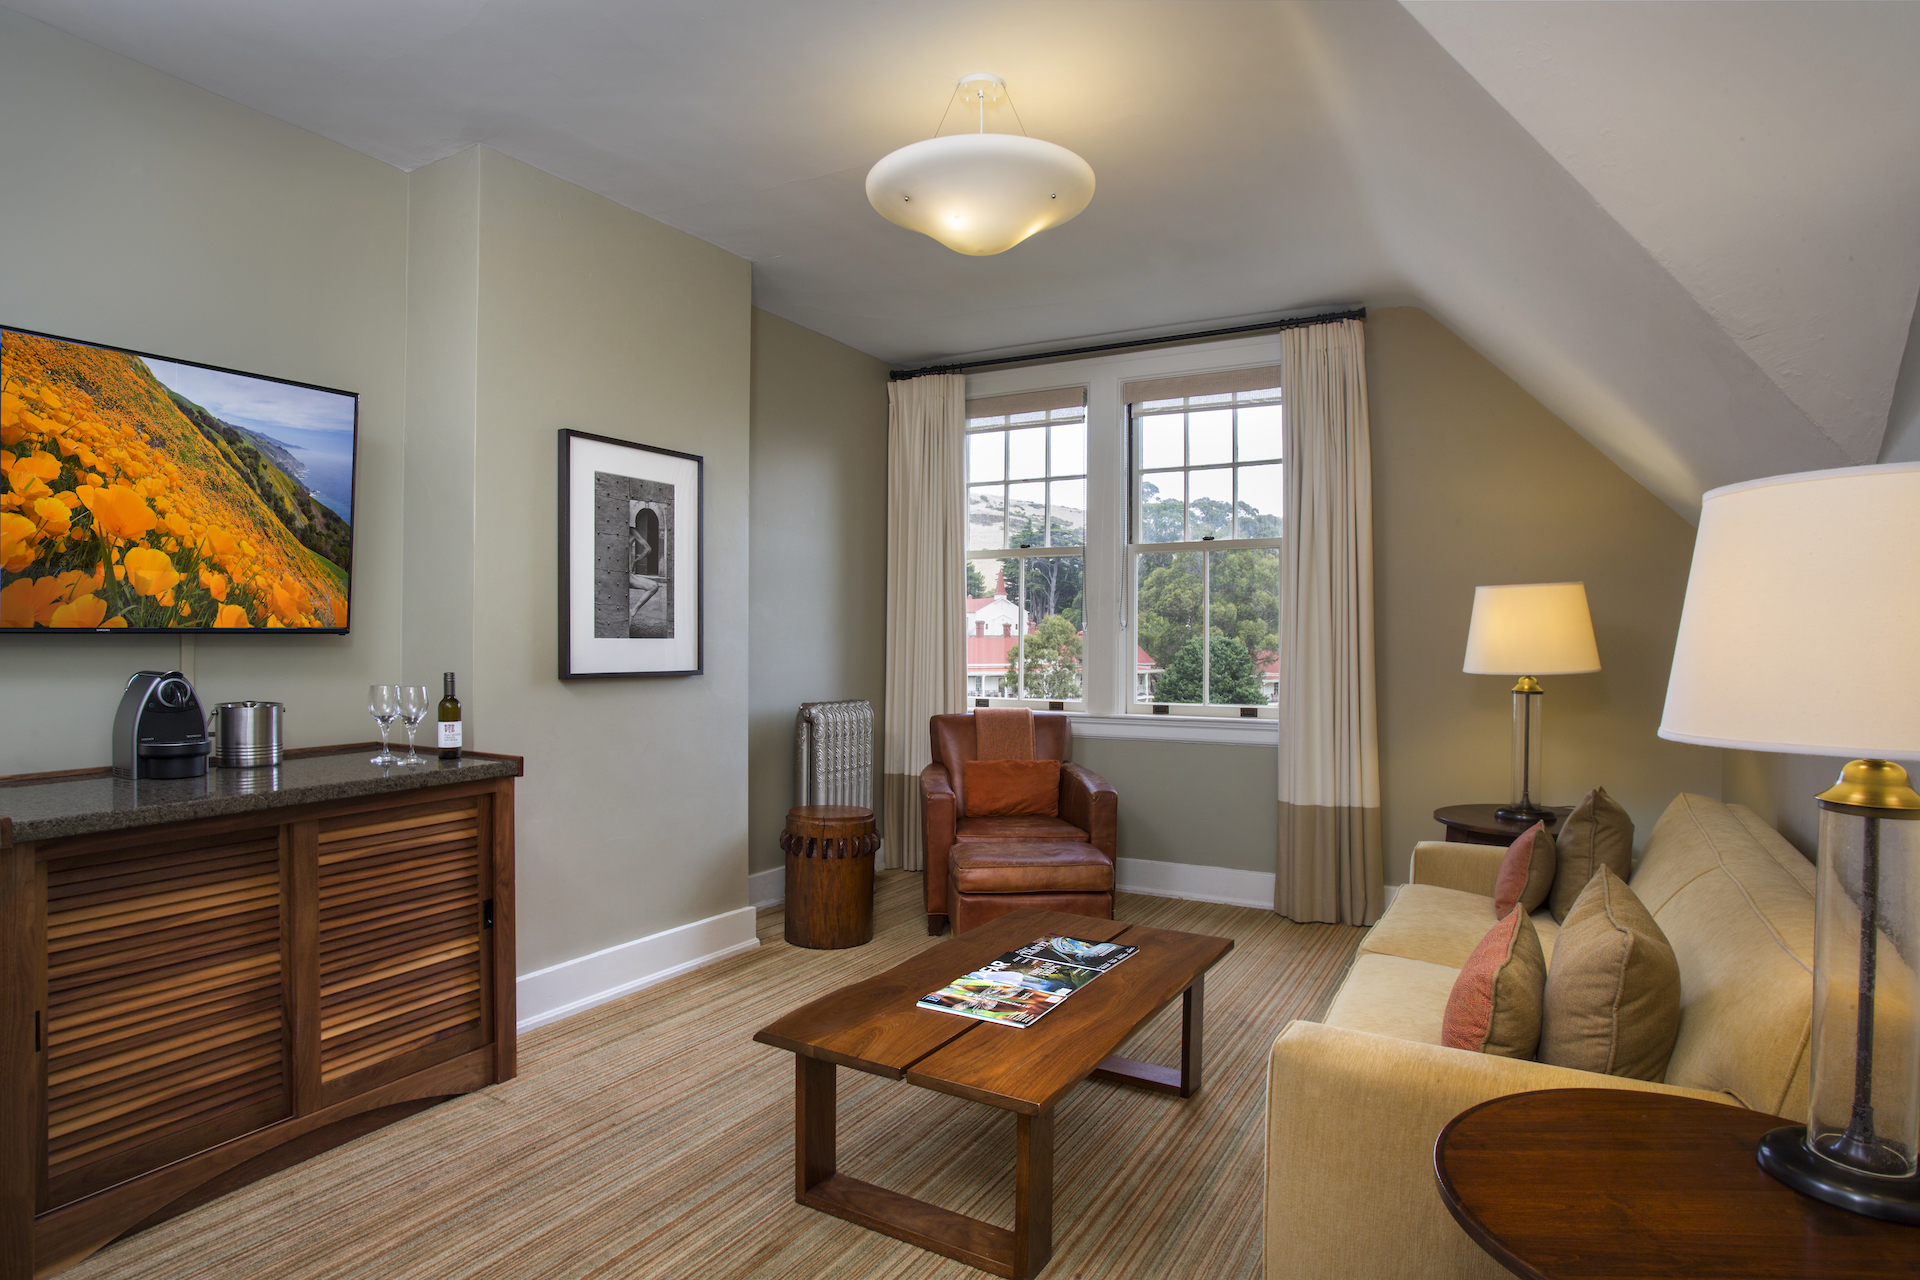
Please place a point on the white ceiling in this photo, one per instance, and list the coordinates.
(1687, 228)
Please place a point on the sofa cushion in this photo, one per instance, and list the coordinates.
(1030, 866)
(1613, 992)
(1494, 1006)
(1392, 996)
(1011, 788)
(1442, 926)
(1028, 827)
(1598, 833)
(1736, 901)
(1526, 873)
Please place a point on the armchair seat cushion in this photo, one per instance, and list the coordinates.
(1022, 827)
(1029, 866)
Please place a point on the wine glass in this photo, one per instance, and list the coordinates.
(414, 705)
(383, 701)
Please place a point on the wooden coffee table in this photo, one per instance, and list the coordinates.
(875, 1026)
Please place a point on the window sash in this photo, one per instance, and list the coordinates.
(1134, 703)
(1017, 656)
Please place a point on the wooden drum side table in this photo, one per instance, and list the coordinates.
(829, 850)
(1477, 824)
(1585, 1184)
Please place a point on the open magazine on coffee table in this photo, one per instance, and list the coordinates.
(1021, 986)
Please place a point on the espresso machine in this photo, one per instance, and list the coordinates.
(159, 731)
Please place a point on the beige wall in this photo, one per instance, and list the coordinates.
(633, 813)
(818, 579)
(1474, 482)
(1781, 788)
(140, 211)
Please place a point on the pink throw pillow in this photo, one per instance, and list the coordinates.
(1526, 873)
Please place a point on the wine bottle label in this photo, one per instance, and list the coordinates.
(450, 733)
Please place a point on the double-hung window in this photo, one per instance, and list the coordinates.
(1026, 467)
(1203, 551)
(1123, 536)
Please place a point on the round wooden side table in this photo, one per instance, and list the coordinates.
(829, 851)
(1477, 824)
(1605, 1184)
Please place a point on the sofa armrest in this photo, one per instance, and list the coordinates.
(1471, 868)
(1090, 803)
(1351, 1123)
(938, 811)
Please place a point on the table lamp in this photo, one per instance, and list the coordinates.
(1530, 630)
(1799, 635)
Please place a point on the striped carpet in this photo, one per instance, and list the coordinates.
(651, 1137)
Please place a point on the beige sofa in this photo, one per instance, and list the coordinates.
(1355, 1101)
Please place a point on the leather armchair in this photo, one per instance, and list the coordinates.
(981, 867)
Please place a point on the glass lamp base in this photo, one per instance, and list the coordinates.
(1524, 813)
(1784, 1154)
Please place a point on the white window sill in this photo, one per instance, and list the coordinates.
(1223, 730)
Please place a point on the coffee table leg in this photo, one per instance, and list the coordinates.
(814, 1122)
(1192, 1015)
(1033, 1195)
(1184, 1079)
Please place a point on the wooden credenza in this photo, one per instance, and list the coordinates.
(194, 1002)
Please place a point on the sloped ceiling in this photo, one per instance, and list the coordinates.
(1686, 228)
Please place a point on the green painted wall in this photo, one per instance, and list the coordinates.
(1197, 803)
(818, 564)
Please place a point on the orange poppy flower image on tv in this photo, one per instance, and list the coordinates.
(138, 493)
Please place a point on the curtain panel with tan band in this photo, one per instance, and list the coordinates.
(1329, 865)
(926, 586)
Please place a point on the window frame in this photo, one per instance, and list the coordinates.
(1136, 547)
(1108, 615)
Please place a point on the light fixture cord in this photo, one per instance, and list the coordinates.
(944, 114)
(1016, 111)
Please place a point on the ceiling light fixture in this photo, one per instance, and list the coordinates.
(980, 193)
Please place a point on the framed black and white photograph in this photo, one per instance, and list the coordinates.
(630, 559)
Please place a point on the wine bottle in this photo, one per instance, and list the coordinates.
(449, 723)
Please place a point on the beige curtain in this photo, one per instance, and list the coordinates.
(1329, 866)
(926, 581)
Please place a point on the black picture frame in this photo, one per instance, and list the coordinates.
(632, 543)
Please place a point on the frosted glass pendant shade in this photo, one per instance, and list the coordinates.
(980, 193)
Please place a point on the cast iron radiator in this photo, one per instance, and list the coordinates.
(833, 754)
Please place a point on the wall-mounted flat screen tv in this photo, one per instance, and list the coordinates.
(144, 494)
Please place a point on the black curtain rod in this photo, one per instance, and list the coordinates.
(1297, 322)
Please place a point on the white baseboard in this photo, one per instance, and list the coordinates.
(1198, 884)
(767, 888)
(573, 986)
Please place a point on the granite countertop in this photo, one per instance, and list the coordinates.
(49, 808)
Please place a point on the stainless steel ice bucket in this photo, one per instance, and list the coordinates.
(247, 734)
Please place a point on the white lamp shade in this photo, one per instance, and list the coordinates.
(1531, 629)
(980, 193)
(1801, 630)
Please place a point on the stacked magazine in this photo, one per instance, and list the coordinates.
(1019, 987)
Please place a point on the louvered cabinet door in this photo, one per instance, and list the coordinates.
(399, 941)
(166, 1020)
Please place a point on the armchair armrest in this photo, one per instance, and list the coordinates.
(1471, 868)
(1351, 1123)
(938, 812)
(1090, 803)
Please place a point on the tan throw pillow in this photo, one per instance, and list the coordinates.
(1598, 833)
(1495, 1003)
(1526, 873)
(1613, 994)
